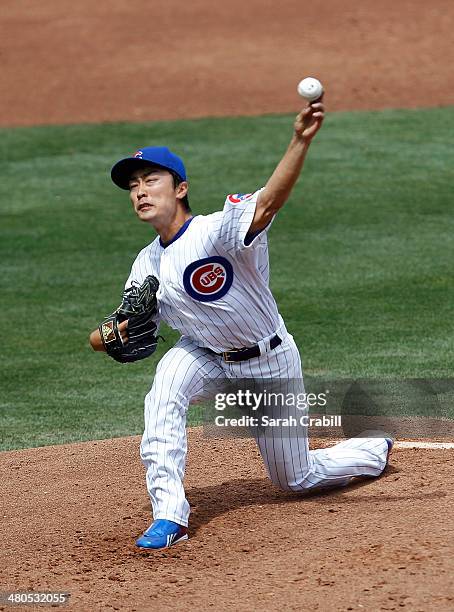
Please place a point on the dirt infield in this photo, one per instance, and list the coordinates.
(84, 61)
(71, 512)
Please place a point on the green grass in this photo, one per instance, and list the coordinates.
(361, 255)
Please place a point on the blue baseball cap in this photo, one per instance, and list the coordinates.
(158, 156)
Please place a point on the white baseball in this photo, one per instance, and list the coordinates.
(310, 89)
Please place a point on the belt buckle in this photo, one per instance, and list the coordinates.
(225, 356)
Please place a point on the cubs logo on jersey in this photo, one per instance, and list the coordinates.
(208, 279)
(238, 197)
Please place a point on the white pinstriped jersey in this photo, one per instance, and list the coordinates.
(214, 291)
(214, 288)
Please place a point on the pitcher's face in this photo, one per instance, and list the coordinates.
(154, 196)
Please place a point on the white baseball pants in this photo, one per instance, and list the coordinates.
(179, 380)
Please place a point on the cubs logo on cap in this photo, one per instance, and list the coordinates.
(138, 154)
(208, 279)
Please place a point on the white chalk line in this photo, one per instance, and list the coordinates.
(428, 445)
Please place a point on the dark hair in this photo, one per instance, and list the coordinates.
(176, 181)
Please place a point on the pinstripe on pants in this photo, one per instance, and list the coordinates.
(179, 380)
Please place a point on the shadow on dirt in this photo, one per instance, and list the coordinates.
(210, 502)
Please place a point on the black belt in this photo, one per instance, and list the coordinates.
(248, 353)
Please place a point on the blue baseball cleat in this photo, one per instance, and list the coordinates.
(162, 534)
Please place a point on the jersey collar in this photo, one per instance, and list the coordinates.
(180, 232)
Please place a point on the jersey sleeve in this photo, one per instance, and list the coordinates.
(138, 272)
(237, 216)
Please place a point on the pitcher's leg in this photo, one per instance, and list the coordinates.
(360, 456)
(178, 380)
(285, 452)
(291, 466)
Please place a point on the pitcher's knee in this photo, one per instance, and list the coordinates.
(286, 482)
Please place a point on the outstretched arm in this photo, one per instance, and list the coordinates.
(281, 182)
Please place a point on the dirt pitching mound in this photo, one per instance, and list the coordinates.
(73, 512)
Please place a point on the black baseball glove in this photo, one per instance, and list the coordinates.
(139, 306)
